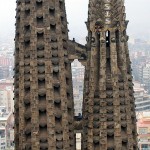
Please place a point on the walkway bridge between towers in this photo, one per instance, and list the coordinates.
(77, 51)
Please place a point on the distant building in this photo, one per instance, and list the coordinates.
(6, 129)
(142, 99)
(143, 128)
(146, 76)
(6, 94)
(6, 66)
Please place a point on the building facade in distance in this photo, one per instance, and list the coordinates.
(142, 98)
(143, 128)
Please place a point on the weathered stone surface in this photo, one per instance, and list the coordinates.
(44, 113)
(43, 118)
(109, 100)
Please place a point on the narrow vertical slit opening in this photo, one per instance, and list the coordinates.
(107, 38)
(78, 84)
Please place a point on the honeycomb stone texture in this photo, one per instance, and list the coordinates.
(44, 108)
(109, 120)
(43, 82)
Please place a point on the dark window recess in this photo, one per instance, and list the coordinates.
(56, 89)
(62, 18)
(27, 105)
(17, 35)
(108, 66)
(28, 136)
(39, 20)
(53, 27)
(42, 97)
(124, 144)
(41, 82)
(27, 12)
(108, 39)
(18, 19)
(43, 139)
(123, 129)
(57, 103)
(27, 43)
(40, 35)
(39, 4)
(27, 27)
(27, 89)
(52, 11)
(67, 81)
(110, 137)
(64, 40)
(69, 110)
(68, 95)
(58, 120)
(96, 143)
(56, 74)
(43, 113)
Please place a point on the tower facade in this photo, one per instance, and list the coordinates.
(43, 82)
(109, 121)
(44, 109)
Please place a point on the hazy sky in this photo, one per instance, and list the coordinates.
(138, 12)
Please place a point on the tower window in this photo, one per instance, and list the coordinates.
(27, 27)
(53, 27)
(52, 11)
(27, 12)
(108, 39)
(40, 35)
(39, 20)
(39, 4)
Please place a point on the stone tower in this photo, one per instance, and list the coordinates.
(109, 121)
(43, 82)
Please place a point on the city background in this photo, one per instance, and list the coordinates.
(139, 47)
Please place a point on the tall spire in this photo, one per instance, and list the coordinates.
(109, 120)
(43, 83)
